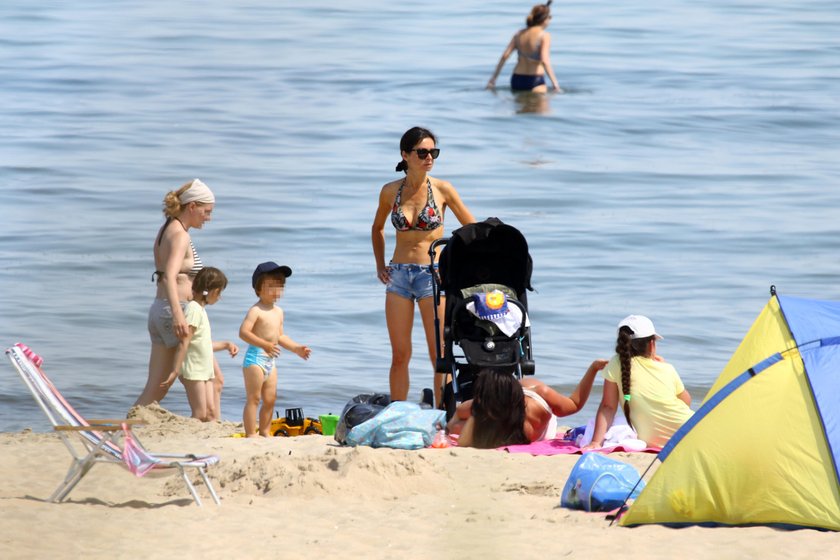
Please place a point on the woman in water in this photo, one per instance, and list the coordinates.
(415, 205)
(533, 45)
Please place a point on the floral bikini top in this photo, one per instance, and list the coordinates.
(428, 219)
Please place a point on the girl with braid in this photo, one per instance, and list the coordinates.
(649, 390)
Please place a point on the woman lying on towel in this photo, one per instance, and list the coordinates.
(650, 391)
(507, 411)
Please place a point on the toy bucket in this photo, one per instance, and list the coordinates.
(328, 423)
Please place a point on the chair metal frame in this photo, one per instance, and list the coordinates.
(97, 440)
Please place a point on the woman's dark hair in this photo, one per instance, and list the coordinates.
(539, 14)
(207, 280)
(498, 409)
(411, 138)
(628, 348)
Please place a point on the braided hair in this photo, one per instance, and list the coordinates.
(628, 348)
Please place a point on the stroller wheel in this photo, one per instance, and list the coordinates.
(449, 403)
(427, 398)
(528, 367)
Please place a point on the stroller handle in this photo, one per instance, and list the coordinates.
(435, 244)
(436, 295)
(435, 278)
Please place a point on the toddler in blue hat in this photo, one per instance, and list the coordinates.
(262, 329)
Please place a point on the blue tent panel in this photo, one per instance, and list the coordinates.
(811, 319)
(822, 366)
(815, 325)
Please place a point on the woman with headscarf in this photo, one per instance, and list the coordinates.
(176, 264)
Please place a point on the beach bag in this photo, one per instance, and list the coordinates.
(359, 409)
(598, 483)
(400, 425)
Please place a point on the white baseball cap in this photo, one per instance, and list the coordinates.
(641, 326)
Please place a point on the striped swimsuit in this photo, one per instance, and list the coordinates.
(196, 266)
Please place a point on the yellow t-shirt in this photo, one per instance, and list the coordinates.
(655, 410)
(198, 363)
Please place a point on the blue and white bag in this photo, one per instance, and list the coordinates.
(400, 425)
(598, 483)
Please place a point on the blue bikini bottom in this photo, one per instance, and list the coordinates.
(525, 82)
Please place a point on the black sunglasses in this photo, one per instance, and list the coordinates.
(423, 152)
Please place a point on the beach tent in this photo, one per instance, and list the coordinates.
(764, 447)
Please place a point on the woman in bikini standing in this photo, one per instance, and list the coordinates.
(416, 206)
(176, 264)
(533, 44)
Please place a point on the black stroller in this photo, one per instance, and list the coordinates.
(476, 260)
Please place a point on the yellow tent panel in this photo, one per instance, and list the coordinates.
(768, 335)
(759, 457)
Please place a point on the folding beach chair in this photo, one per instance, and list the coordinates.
(98, 441)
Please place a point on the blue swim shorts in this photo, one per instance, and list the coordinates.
(411, 281)
(256, 356)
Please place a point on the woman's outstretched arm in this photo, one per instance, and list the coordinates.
(561, 405)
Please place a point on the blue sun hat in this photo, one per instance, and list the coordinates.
(493, 306)
(490, 305)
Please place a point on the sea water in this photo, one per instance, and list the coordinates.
(690, 164)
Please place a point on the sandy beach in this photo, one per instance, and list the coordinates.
(309, 497)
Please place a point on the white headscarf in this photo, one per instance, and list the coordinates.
(197, 192)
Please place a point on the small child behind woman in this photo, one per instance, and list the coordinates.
(194, 356)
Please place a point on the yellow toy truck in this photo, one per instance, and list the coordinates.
(295, 424)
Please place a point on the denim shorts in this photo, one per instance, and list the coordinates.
(411, 281)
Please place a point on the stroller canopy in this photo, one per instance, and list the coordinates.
(488, 252)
